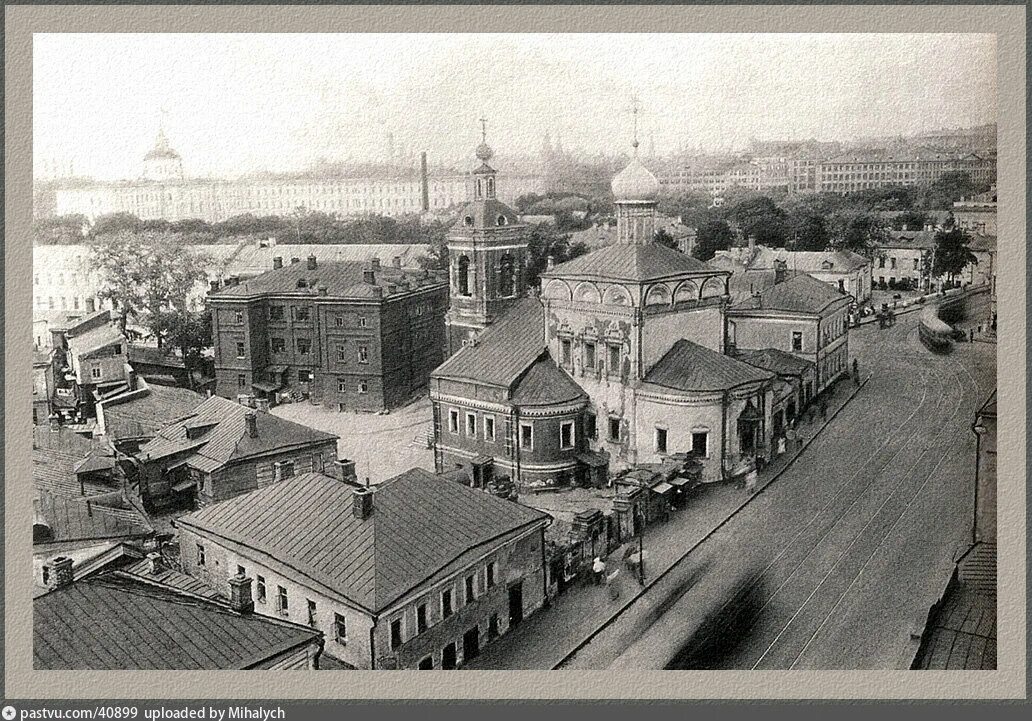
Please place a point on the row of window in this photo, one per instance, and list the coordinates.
(567, 430)
(700, 442)
(303, 314)
(589, 355)
(304, 347)
(51, 303)
(892, 263)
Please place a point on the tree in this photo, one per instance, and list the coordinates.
(59, 230)
(188, 331)
(952, 253)
(807, 231)
(710, 237)
(948, 189)
(859, 232)
(759, 217)
(909, 220)
(663, 237)
(544, 242)
(115, 223)
(120, 261)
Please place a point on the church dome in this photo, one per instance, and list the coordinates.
(484, 152)
(161, 149)
(635, 182)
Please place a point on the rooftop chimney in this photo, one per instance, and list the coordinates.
(344, 470)
(362, 503)
(375, 263)
(295, 261)
(61, 571)
(277, 262)
(252, 424)
(377, 291)
(397, 261)
(154, 563)
(780, 269)
(323, 290)
(312, 264)
(368, 277)
(551, 262)
(240, 594)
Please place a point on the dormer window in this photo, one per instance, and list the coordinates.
(301, 283)
(502, 220)
(468, 221)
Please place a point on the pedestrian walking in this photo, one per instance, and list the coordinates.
(856, 372)
(971, 335)
(598, 567)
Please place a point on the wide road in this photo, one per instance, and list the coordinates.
(835, 565)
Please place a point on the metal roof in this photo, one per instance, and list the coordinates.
(544, 383)
(689, 366)
(421, 527)
(143, 415)
(799, 293)
(776, 361)
(633, 262)
(341, 280)
(118, 622)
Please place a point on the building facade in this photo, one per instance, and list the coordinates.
(416, 573)
(850, 172)
(349, 335)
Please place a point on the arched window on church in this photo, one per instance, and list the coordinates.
(490, 187)
(506, 276)
(463, 275)
(480, 189)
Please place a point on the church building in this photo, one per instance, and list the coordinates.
(619, 361)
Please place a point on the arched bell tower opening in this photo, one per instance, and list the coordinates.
(488, 251)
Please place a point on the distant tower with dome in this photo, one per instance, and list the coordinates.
(162, 164)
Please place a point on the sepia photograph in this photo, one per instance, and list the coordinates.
(514, 351)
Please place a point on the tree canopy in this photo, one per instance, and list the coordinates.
(952, 253)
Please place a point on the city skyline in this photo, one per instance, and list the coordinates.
(360, 89)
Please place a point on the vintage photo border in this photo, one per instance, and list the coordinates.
(1008, 23)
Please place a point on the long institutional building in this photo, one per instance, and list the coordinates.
(164, 192)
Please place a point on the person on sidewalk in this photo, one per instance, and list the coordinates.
(599, 569)
(856, 372)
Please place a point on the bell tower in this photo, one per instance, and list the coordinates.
(487, 251)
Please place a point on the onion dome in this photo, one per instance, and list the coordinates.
(484, 152)
(635, 182)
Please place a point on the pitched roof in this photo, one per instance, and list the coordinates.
(689, 366)
(94, 339)
(342, 280)
(117, 622)
(421, 527)
(143, 415)
(503, 351)
(227, 439)
(79, 518)
(248, 259)
(544, 383)
(921, 239)
(799, 293)
(776, 361)
(809, 261)
(634, 262)
(154, 356)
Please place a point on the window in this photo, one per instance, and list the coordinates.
(470, 589)
(453, 420)
(797, 340)
(340, 629)
(282, 603)
(614, 429)
(526, 436)
(259, 590)
(238, 317)
(275, 312)
(342, 385)
(589, 355)
(446, 603)
(489, 428)
(395, 633)
(200, 555)
(881, 262)
(566, 435)
(279, 345)
(492, 573)
(564, 351)
(301, 314)
(363, 354)
(700, 443)
(590, 429)
(661, 440)
(892, 263)
(463, 271)
(317, 463)
(492, 626)
(917, 264)
(363, 386)
(284, 469)
(304, 346)
(96, 372)
(342, 353)
(421, 624)
(311, 613)
(361, 321)
(241, 381)
(614, 359)
(471, 425)
(426, 664)
(339, 321)
(240, 349)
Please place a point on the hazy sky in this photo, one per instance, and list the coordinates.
(244, 102)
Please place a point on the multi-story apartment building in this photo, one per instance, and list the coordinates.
(414, 573)
(853, 171)
(352, 336)
(163, 192)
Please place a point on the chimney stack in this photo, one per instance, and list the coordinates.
(551, 262)
(375, 263)
(154, 563)
(277, 262)
(295, 261)
(368, 277)
(312, 263)
(240, 594)
(424, 183)
(323, 290)
(397, 261)
(780, 270)
(61, 571)
(344, 470)
(377, 292)
(362, 503)
(252, 424)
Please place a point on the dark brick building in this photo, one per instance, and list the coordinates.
(349, 335)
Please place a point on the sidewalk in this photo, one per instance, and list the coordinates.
(546, 638)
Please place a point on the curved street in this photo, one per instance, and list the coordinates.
(836, 564)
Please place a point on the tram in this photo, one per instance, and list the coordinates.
(936, 335)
